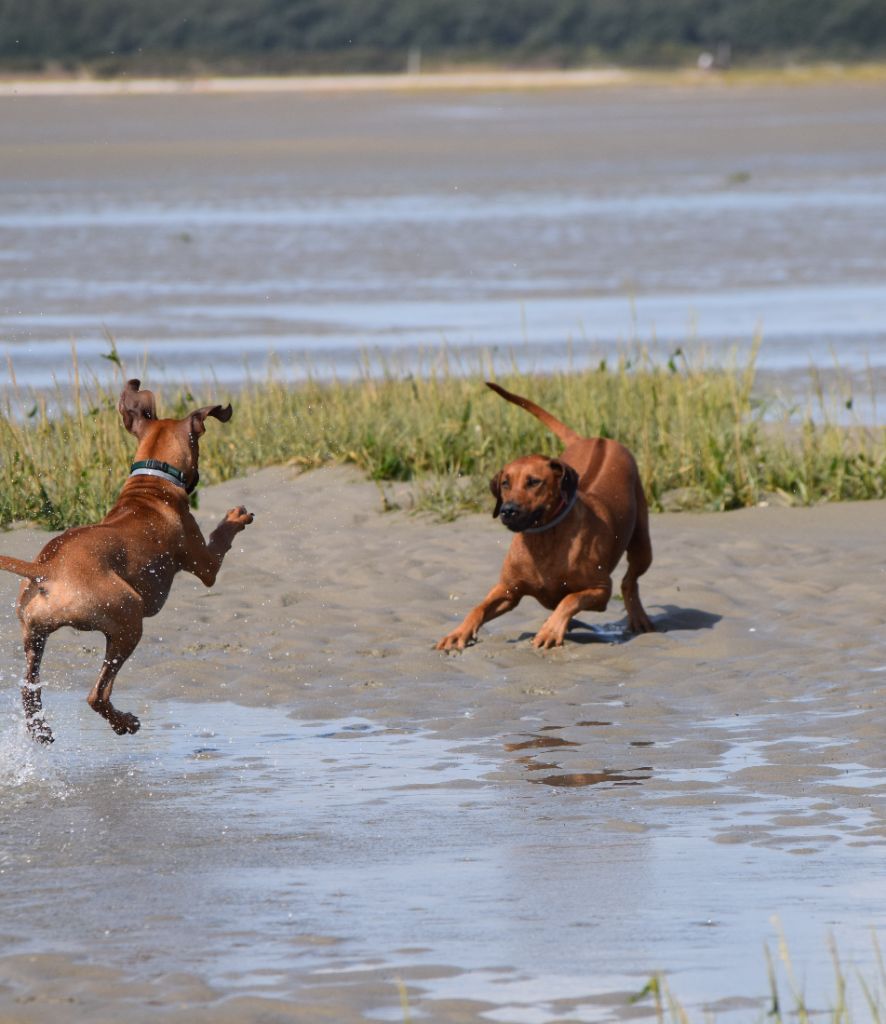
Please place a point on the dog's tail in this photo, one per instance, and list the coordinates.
(566, 434)
(31, 570)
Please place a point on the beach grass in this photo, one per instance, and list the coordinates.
(703, 437)
(854, 996)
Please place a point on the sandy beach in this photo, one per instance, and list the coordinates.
(321, 811)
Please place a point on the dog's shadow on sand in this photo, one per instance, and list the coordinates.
(668, 618)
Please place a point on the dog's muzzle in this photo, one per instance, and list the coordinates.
(517, 519)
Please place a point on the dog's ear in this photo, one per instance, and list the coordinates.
(495, 487)
(568, 478)
(220, 412)
(136, 408)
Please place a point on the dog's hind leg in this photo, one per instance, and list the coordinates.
(122, 635)
(32, 698)
(639, 554)
(119, 647)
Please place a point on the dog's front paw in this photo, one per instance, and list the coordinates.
(548, 637)
(239, 518)
(454, 641)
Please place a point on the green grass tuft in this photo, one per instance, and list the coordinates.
(701, 437)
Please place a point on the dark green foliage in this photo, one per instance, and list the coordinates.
(280, 34)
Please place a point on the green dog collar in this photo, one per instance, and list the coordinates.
(153, 467)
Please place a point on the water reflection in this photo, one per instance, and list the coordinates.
(615, 777)
(567, 779)
(541, 741)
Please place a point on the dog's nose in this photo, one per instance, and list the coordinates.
(509, 510)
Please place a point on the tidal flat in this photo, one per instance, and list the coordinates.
(556, 227)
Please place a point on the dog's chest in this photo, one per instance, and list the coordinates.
(550, 572)
(154, 580)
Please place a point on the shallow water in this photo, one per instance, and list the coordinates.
(561, 225)
(264, 855)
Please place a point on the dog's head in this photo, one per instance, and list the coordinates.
(531, 490)
(166, 440)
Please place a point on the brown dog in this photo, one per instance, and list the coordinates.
(574, 518)
(109, 576)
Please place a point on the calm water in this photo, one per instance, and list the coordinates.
(270, 856)
(212, 231)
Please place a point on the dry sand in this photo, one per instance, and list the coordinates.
(473, 79)
(434, 81)
(753, 719)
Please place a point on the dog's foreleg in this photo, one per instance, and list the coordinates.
(554, 629)
(204, 559)
(499, 600)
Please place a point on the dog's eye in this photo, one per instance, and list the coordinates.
(505, 484)
(532, 482)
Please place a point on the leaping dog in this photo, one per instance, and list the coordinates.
(108, 577)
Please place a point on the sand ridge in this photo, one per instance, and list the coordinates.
(328, 604)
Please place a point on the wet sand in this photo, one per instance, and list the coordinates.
(319, 807)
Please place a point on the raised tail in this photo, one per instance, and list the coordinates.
(566, 434)
(31, 570)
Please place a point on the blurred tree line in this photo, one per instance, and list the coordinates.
(112, 36)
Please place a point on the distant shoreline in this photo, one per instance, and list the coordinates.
(811, 74)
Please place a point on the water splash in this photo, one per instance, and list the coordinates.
(24, 764)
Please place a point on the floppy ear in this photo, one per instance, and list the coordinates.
(495, 487)
(568, 478)
(220, 412)
(136, 407)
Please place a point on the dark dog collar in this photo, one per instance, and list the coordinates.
(558, 518)
(154, 467)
